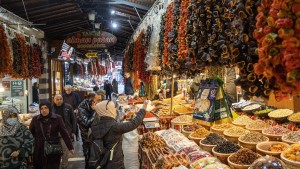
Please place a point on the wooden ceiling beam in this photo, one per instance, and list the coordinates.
(47, 27)
(65, 27)
(57, 16)
(52, 12)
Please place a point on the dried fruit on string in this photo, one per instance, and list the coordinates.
(168, 29)
(5, 54)
(182, 42)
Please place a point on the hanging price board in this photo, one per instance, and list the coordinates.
(91, 55)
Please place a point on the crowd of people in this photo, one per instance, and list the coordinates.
(58, 124)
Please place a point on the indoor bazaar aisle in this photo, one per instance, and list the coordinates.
(76, 161)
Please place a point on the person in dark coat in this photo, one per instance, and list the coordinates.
(74, 100)
(115, 86)
(71, 97)
(128, 87)
(16, 141)
(85, 117)
(96, 88)
(53, 126)
(35, 93)
(106, 127)
(108, 90)
(66, 111)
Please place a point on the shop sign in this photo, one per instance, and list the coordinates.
(91, 54)
(6, 85)
(17, 88)
(91, 40)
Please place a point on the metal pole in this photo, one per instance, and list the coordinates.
(130, 24)
(172, 94)
(137, 13)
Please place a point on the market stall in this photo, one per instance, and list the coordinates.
(257, 39)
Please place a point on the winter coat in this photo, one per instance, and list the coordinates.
(68, 117)
(85, 117)
(128, 87)
(108, 88)
(76, 99)
(57, 127)
(115, 87)
(108, 129)
(22, 140)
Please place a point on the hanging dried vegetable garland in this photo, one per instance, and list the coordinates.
(36, 61)
(5, 54)
(278, 36)
(182, 42)
(138, 51)
(143, 74)
(30, 66)
(168, 28)
(17, 58)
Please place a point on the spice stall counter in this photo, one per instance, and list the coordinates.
(289, 125)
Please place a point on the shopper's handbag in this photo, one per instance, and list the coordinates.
(51, 148)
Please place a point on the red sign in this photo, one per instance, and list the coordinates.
(91, 40)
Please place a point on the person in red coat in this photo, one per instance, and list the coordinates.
(53, 126)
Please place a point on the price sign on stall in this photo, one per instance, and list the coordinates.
(16, 88)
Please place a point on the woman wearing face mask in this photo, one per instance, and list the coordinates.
(16, 141)
(106, 127)
(52, 125)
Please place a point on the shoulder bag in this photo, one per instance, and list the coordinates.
(51, 148)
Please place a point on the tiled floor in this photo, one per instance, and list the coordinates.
(76, 161)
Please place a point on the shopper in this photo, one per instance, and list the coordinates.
(96, 87)
(85, 116)
(52, 125)
(115, 86)
(74, 100)
(106, 127)
(66, 111)
(35, 93)
(108, 90)
(16, 141)
(128, 87)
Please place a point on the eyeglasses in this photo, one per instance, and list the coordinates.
(13, 115)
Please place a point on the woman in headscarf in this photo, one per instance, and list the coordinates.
(52, 125)
(16, 141)
(106, 127)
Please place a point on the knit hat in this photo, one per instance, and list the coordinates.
(106, 108)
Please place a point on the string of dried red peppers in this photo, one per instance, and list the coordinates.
(168, 28)
(182, 42)
(5, 54)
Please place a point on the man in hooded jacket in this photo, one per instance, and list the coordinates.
(106, 127)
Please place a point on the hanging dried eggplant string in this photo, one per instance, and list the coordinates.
(5, 54)
(243, 49)
(172, 36)
(30, 66)
(17, 58)
(143, 74)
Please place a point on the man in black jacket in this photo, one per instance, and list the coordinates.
(66, 111)
(85, 117)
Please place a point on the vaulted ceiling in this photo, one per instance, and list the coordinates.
(59, 18)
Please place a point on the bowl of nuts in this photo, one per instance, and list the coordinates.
(199, 134)
(280, 115)
(291, 156)
(272, 148)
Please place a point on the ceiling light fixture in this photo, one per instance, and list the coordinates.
(114, 25)
(113, 12)
(97, 25)
(92, 15)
